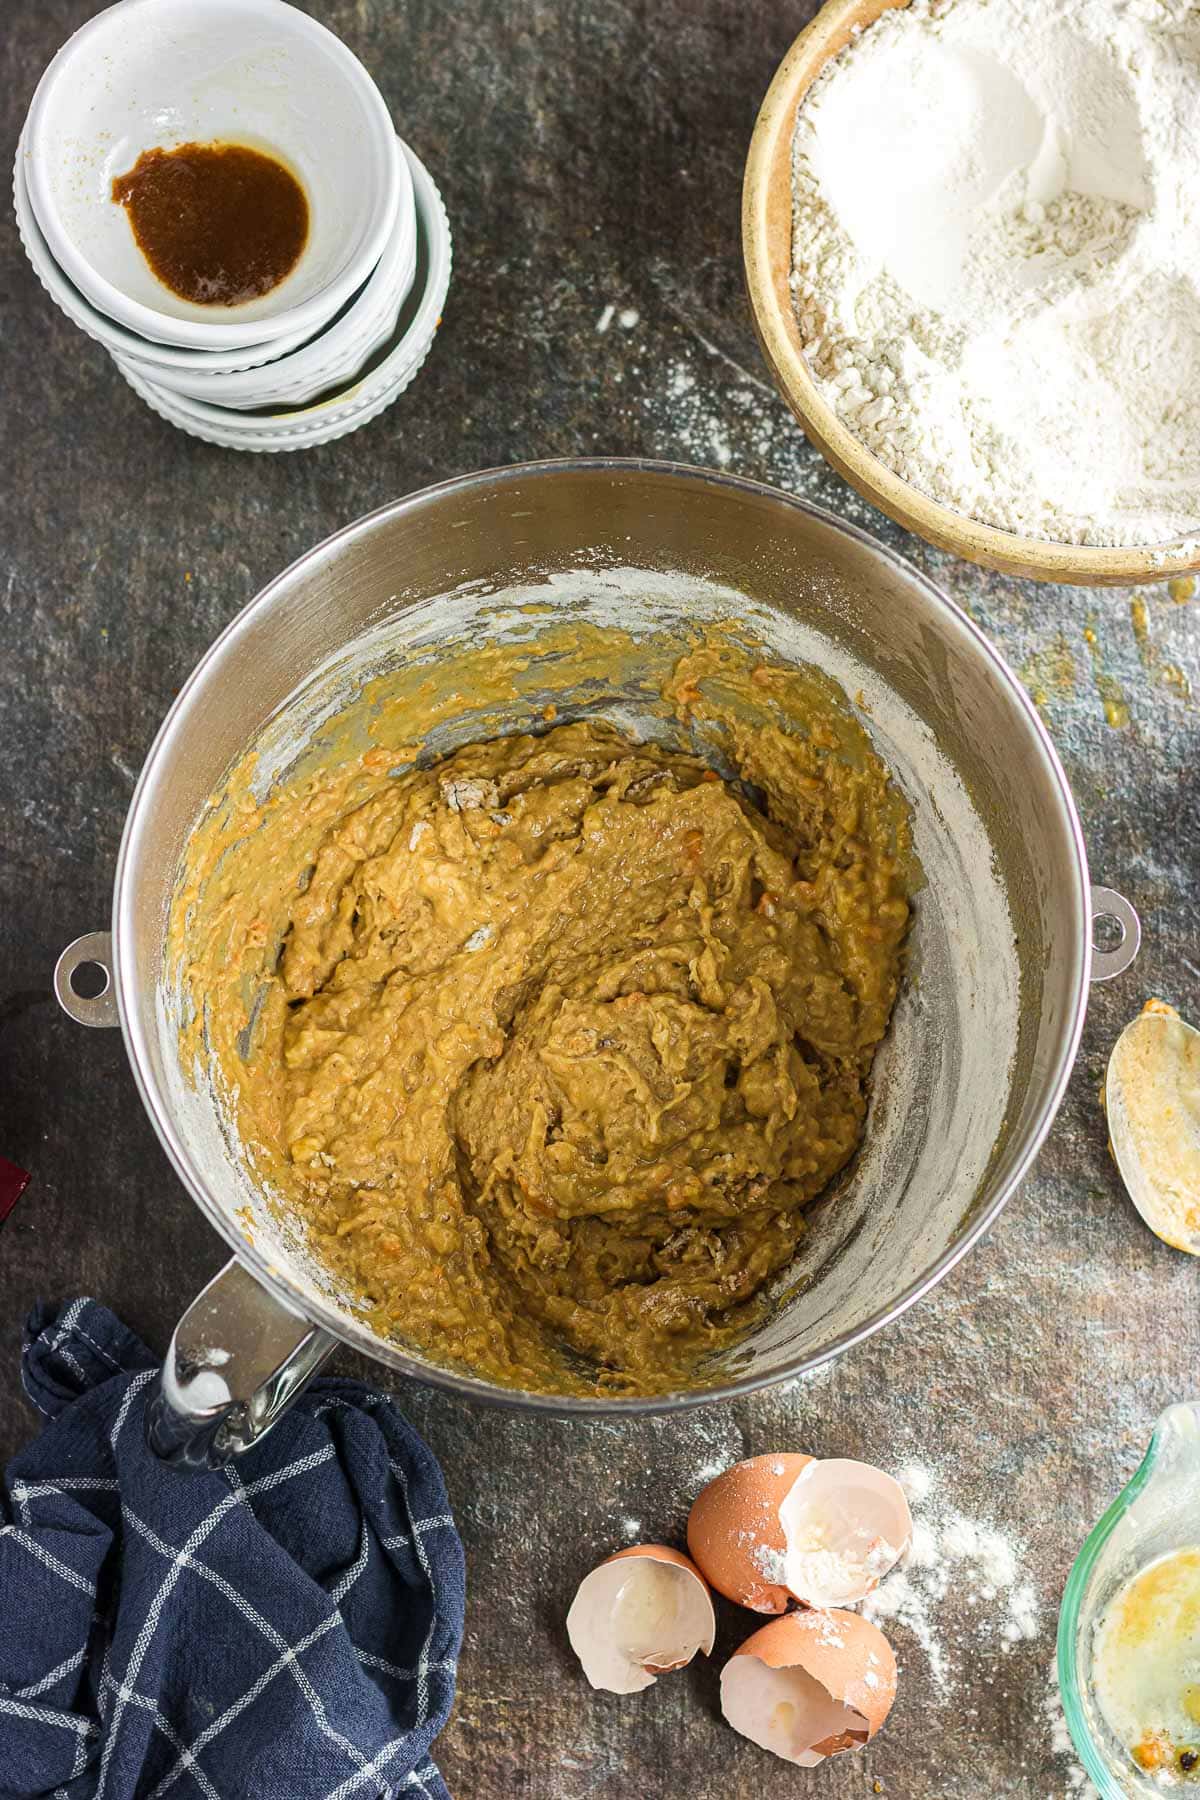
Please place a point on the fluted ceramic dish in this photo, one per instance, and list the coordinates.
(368, 394)
(118, 340)
(334, 355)
(150, 73)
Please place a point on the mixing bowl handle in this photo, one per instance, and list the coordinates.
(93, 951)
(238, 1359)
(1108, 904)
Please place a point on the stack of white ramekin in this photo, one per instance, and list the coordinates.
(348, 328)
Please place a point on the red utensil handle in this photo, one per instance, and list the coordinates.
(13, 1182)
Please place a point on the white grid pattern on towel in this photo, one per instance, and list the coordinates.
(66, 1325)
(144, 1703)
(274, 1638)
(125, 1692)
(68, 1574)
(54, 1676)
(183, 1558)
(25, 1491)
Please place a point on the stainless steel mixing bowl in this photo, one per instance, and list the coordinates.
(987, 1028)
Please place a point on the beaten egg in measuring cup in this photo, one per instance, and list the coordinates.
(1146, 1666)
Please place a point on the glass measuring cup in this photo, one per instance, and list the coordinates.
(1159, 1512)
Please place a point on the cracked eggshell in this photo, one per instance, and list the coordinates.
(810, 1685)
(1152, 1098)
(735, 1534)
(642, 1613)
(845, 1525)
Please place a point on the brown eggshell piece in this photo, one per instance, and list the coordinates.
(735, 1534)
(811, 1685)
(628, 1625)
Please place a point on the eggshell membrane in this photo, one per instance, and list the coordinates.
(845, 1525)
(810, 1685)
(735, 1534)
(595, 1633)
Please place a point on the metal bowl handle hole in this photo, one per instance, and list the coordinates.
(1116, 934)
(89, 980)
(83, 980)
(1108, 934)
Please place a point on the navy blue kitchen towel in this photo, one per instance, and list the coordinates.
(284, 1629)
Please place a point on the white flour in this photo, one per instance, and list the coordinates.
(955, 1562)
(996, 253)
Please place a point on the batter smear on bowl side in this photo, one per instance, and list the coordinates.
(552, 1040)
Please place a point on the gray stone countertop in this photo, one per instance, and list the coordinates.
(590, 153)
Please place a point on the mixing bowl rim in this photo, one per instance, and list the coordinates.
(322, 1312)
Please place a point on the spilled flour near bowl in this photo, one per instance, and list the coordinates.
(965, 1595)
(973, 1559)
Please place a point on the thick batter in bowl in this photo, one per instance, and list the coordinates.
(551, 1040)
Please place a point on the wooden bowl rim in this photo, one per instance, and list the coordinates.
(767, 254)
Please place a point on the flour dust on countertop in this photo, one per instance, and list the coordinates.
(969, 1595)
(1062, 1749)
(955, 1552)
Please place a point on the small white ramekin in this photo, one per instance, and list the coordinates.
(149, 73)
(116, 338)
(373, 389)
(366, 323)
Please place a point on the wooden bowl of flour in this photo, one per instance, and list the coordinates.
(767, 251)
